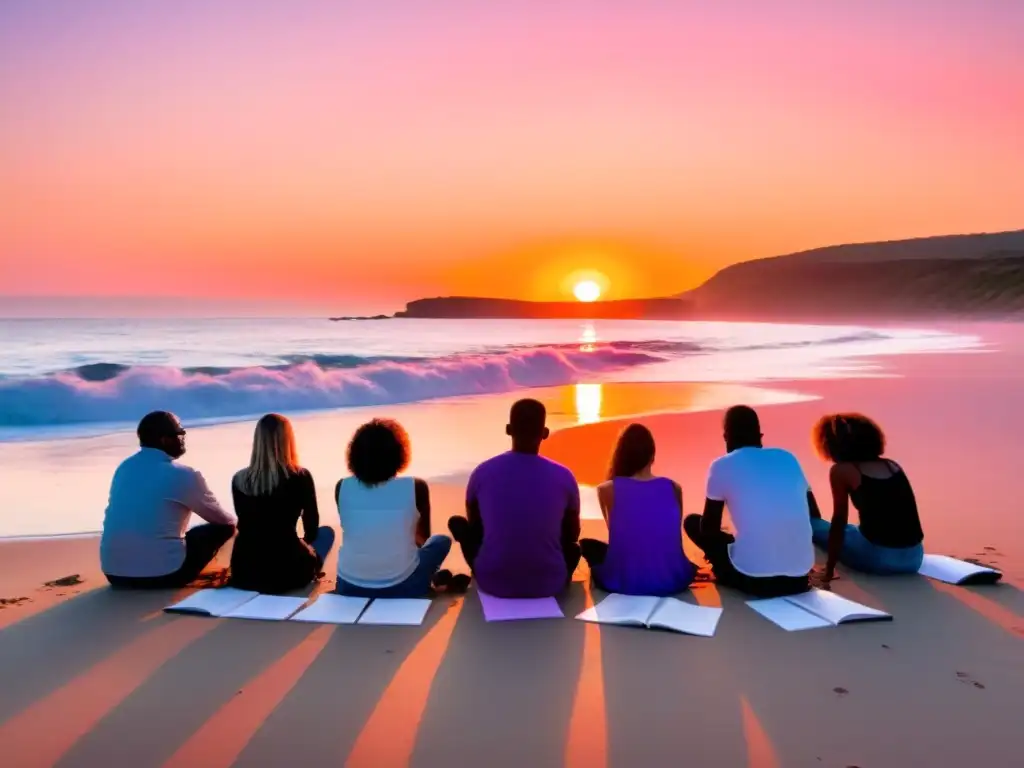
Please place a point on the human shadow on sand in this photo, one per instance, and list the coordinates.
(42, 652)
(504, 683)
(937, 662)
(151, 723)
(321, 718)
(662, 689)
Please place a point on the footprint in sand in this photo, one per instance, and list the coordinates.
(65, 581)
(966, 679)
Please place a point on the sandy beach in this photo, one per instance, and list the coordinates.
(92, 677)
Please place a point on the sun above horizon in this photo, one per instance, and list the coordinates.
(586, 290)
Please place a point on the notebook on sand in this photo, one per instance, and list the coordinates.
(396, 611)
(953, 571)
(654, 613)
(814, 609)
(333, 609)
(267, 608)
(213, 602)
(230, 603)
(505, 609)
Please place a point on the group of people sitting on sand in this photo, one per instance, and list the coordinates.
(520, 535)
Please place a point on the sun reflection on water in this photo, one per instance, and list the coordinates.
(588, 403)
(588, 337)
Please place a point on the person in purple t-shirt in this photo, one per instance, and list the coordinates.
(521, 532)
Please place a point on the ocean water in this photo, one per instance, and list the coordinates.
(71, 391)
(75, 377)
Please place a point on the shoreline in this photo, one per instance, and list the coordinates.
(571, 407)
(42, 474)
(672, 366)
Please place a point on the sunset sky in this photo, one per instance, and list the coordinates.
(355, 155)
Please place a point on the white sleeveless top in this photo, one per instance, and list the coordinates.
(378, 532)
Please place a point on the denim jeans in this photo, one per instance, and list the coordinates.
(431, 555)
(861, 555)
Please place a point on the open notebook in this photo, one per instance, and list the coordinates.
(333, 609)
(340, 609)
(654, 613)
(230, 603)
(814, 609)
(396, 611)
(953, 571)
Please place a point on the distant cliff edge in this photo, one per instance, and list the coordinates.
(969, 276)
(483, 308)
(959, 275)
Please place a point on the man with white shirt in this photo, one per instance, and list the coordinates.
(144, 542)
(770, 503)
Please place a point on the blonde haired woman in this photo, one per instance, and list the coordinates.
(270, 496)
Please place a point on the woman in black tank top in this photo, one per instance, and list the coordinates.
(889, 539)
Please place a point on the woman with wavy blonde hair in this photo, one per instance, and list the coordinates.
(270, 496)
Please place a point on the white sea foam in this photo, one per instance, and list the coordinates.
(67, 398)
(59, 378)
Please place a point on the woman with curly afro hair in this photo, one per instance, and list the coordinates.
(889, 539)
(387, 549)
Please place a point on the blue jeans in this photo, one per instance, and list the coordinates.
(861, 555)
(417, 584)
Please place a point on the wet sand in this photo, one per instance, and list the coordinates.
(93, 677)
(61, 486)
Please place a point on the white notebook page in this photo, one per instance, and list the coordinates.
(783, 613)
(396, 611)
(949, 569)
(832, 607)
(621, 609)
(333, 609)
(213, 602)
(684, 617)
(267, 608)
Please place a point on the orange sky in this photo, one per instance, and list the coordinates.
(355, 157)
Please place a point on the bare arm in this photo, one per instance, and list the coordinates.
(812, 505)
(423, 505)
(476, 523)
(197, 496)
(605, 498)
(310, 509)
(715, 495)
(839, 478)
(679, 495)
(571, 519)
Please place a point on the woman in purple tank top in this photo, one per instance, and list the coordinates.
(644, 554)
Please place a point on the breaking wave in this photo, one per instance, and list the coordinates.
(111, 392)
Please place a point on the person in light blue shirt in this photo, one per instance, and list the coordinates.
(145, 543)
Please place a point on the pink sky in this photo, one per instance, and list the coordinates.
(345, 154)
